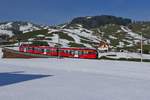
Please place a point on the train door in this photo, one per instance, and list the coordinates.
(76, 53)
(24, 49)
(44, 51)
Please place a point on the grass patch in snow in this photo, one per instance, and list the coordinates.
(88, 42)
(65, 36)
(85, 41)
(33, 34)
(72, 44)
(114, 42)
(141, 27)
(84, 38)
(110, 28)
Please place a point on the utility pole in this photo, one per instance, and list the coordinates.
(141, 48)
(58, 48)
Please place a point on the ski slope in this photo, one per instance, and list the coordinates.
(73, 79)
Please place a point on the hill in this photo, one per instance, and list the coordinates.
(120, 33)
(96, 21)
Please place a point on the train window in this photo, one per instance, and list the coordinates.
(85, 52)
(42, 50)
(47, 50)
(36, 49)
(90, 52)
(65, 51)
(25, 49)
(39, 49)
(61, 50)
(53, 50)
(76, 52)
(68, 51)
(80, 52)
(30, 48)
(72, 52)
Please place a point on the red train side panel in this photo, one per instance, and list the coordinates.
(64, 52)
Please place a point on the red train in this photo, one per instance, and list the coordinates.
(62, 52)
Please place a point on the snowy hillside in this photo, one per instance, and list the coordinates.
(79, 36)
(28, 28)
(73, 79)
(120, 34)
(8, 28)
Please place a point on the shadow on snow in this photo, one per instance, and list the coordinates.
(17, 77)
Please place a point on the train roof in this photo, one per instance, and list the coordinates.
(77, 48)
(45, 46)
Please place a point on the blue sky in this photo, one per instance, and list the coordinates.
(60, 11)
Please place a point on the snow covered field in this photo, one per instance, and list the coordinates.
(124, 55)
(73, 79)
